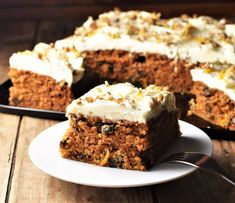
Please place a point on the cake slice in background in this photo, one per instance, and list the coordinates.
(43, 78)
(214, 88)
(126, 46)
(121, 126)
(142, 48)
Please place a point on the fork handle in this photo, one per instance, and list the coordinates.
(213, 166)
(209, 165)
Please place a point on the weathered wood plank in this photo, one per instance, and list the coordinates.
(218, 9)
(202, 186)
(224, 154)
(103, 195)
(8, 136)
(29, 184)
(12, 39)
(197, 187)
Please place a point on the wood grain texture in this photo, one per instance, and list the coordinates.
(200, 186)
(106, 195)
(224, 154)
(12, 39)
(29, 183)
(8, 135)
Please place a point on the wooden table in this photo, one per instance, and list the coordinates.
(21, 181)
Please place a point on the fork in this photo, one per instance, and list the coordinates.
(198, 160)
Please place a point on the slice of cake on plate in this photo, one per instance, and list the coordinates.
(43, 78)
(214, 88)
(121, 126)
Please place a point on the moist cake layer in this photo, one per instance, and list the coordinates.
(38, 91)
(119, 143)
(213, 105)
(139, 69)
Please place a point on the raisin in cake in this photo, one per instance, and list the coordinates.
(121, 126)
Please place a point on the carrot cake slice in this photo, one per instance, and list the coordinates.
(142, 48)
(121, 126)
(43, 78)
(214, 88)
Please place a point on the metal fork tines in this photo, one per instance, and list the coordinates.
(198, 160)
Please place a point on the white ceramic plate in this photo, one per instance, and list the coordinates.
(44, 153)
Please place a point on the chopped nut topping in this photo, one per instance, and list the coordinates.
(89, 99)
(225, 72)
(93, 25)
(166, 88)
(188, 30)
(119, 100)
(110, 98)
(79, 101)
(160, 97)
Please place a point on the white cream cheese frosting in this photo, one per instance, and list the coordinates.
(60, 64)
(196, 39)
(123, 101)
(218, 77)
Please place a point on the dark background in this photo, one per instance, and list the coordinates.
(65, 15)
(74, 12)
(80, 9)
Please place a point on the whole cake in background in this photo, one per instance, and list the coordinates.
(121, 126)
(194, 56)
